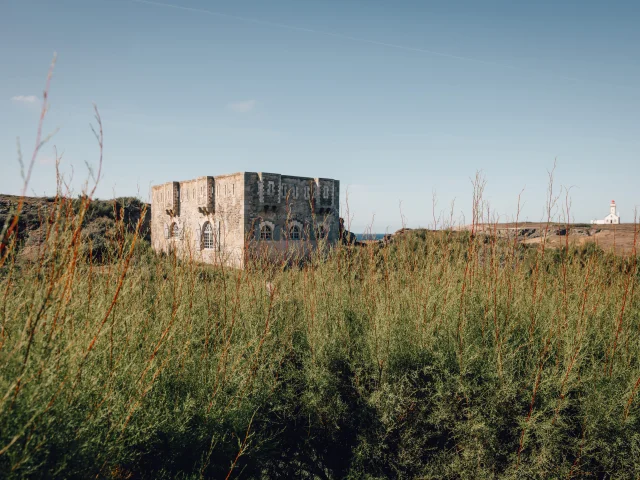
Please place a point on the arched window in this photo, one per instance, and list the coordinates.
(266, 232)
(175, 230)
(294, 232)
(321, 232)
(207, 236)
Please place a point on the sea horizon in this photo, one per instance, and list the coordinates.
(370, 236)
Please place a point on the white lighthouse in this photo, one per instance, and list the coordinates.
(612, 219)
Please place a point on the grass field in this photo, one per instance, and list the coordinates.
(442, 355)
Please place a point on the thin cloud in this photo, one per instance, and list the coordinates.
(242, 107)
(395, 46)
(24, 98)
(46, 160)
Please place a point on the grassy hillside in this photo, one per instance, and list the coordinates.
(439, 355)
(101, 220)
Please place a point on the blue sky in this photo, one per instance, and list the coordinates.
(397, 99)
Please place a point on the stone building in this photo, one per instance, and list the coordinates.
(612, 219)
(227, 218)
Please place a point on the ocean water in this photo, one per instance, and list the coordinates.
(370, 236)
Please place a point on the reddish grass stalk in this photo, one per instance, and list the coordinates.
(551, 202)
(536, 385)
(4, 242)
(114, 300)
(629, 280)
(243, 446)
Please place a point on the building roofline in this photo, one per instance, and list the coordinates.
(226, 175)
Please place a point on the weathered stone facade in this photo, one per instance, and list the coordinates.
(227, 218)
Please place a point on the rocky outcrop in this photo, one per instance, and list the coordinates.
(100, 216)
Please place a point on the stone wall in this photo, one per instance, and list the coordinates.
(222, 219)
(277, 204)
(204, 221)
(165, 204)
(229, 203)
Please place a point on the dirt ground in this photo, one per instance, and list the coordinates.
(619, 239)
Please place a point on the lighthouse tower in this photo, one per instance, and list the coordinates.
(612, 219)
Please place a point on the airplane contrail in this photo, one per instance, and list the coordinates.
(310, 30)
(372, 42)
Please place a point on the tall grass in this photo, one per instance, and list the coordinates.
(442, 355)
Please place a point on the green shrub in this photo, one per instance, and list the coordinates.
(440, 355)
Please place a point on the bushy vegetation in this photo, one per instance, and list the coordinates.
(441, 355)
